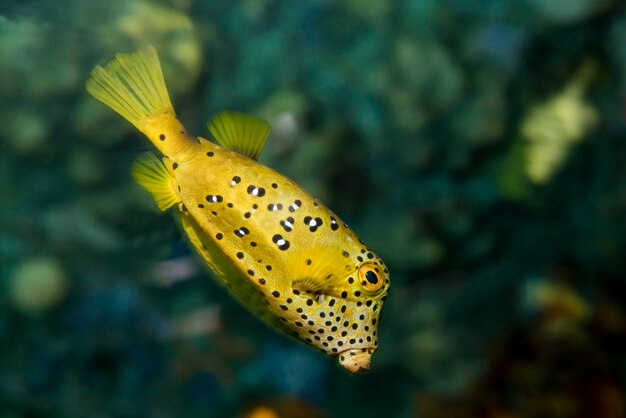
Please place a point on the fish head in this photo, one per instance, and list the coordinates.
(359, 310)
(336, 297)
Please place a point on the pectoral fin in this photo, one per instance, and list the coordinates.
(322, 271)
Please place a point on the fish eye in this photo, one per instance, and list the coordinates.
(370, 278)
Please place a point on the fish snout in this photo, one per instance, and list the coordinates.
(356, 360)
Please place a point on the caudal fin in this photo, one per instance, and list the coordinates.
(132, 85)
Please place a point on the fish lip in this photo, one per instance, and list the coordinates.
(355, 360)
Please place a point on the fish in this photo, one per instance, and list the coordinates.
(283, 254)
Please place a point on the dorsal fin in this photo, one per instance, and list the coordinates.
(152, 175)
(239, 132)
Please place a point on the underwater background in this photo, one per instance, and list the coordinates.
(479, 147)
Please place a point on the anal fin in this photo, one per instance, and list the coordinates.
(151, 174)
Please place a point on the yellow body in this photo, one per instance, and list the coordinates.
(281, 252)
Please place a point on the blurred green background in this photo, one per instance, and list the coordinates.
(477, 146)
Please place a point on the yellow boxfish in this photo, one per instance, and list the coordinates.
(281, 252)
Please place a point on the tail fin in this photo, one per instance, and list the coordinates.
(132, 85)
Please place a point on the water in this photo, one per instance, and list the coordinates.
(476, 146)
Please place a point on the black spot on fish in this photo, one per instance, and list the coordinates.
(287, 224)
(242, 231)
(295, 205)
(211, 198)
(256, 191)
(162, 137)
(313, 224)
(280, 242)
(210, 153)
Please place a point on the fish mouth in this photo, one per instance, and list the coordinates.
(356, 360)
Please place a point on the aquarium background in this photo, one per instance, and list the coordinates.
(477, 146)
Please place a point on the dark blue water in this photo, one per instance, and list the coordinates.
(478, 147)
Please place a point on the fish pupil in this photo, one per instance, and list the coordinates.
(371, 277)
